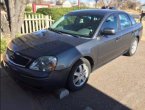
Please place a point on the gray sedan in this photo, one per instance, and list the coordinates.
(78, 43)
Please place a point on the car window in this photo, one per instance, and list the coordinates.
(70, 20)
(124, 21)
(132, 20)
(84, 19)
(111, 22)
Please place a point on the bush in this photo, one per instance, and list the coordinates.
(28, 9)
(56, 13)
(31, 14)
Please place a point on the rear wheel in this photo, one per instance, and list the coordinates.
(133, 47)
(79, 75)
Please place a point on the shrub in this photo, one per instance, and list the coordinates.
(28, 9)
(32, 14)
(56, 12)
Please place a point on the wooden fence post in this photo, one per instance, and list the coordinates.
(46, 21)
(35, 22)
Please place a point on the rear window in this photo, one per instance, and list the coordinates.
(132, 20)
(125, 22)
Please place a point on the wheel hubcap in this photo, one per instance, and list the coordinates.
(80, 75)
(134, 47)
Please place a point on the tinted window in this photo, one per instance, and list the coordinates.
(111, 22)
(132, 20)
(124, 21)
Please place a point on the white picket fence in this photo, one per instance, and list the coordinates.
(35, 22)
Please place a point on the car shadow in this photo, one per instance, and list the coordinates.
(46, 100)
(86, 97)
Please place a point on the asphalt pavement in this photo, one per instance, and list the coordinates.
(118, 85)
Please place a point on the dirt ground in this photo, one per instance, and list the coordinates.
(143, 37)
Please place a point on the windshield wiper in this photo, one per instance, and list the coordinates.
(55, 30)
(74, 35)
(61, 32)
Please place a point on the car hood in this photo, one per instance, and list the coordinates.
(44, 43)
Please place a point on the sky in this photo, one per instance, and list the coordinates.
(142, 1)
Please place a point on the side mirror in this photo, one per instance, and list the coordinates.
(108, 31)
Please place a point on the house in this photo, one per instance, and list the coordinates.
(66, 4)
(63, 3)
(90, 4)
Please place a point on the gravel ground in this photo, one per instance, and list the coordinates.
(118, 85)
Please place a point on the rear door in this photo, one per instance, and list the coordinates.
(125, 33)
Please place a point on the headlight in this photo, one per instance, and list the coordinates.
(45, 63)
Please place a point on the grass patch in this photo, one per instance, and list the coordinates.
(3, 43)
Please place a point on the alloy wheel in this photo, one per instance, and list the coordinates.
(80, 75)
(134, 46)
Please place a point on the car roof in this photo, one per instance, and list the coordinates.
(102, 12)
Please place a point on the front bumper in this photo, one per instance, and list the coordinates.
(36, 78)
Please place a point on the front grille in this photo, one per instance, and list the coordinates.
(17, 58)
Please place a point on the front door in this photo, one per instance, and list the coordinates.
(107, 50)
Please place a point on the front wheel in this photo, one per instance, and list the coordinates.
(79, 75)
(133, 47)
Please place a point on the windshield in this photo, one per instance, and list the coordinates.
(78, 25)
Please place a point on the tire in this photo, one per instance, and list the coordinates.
(133, 47)
(79, 75)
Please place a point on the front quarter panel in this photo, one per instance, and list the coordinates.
(90, 49)
(67, 58)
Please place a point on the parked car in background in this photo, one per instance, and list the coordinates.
(142, 15)
(73, 47)
(107, 7)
